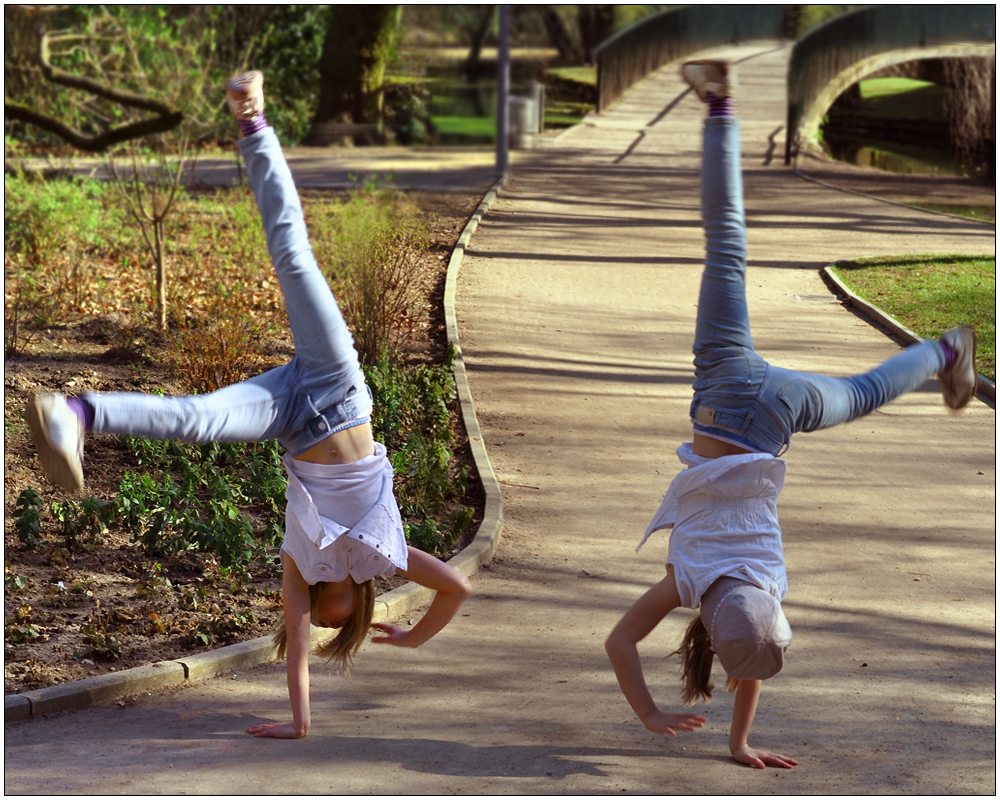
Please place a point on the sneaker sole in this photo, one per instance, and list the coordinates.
(59, 469)
(956, 400)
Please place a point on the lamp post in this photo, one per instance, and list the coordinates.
(503, 92)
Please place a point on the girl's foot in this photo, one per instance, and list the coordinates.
(710, 79)
(245, 95)
(58, 435)
(958, 378)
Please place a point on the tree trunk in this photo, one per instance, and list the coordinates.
(358, 44)
(569, 53)
(596, 23)
(478, 37)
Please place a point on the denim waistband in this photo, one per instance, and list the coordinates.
(350, 411)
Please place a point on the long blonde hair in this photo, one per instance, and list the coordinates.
(342, 647)
(697, 658)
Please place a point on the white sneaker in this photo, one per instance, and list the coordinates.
(709, 77)
(958, 380)
(245, 95)
(58, 435)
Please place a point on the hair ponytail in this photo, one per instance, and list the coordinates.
(697, 658)
(696, 663)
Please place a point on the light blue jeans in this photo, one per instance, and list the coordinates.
(738, 396)
(319, 392)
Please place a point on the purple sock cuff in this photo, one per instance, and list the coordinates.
(949, 353)
(83, 410)
(251, 126)
(720, 106)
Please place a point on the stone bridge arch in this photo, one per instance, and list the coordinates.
(829, 59)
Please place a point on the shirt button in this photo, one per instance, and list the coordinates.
(321, 426)
(322, 569)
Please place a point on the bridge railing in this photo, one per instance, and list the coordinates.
(635, 52)
(855, 38)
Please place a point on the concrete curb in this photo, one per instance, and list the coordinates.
(201, 666)
(873, 313)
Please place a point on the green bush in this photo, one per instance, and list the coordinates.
(27, 518)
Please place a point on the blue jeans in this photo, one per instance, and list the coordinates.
(319, 392)
(739, 397)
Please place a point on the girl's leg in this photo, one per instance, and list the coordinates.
(251, 411)
(809, 402)
(723, 320)
(324, 346)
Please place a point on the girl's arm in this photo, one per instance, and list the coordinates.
(744, 708)
(452, 589)
(295, 598)
(622, 649)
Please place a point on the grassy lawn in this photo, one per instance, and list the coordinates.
(586, 75)
(902, 98)
(930, 294)
(473, 127)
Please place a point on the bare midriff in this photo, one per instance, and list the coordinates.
(707, 447)
(343, 447)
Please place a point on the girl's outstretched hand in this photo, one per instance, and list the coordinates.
(276, 730)
(662, 722)
(761, 758)
(393, 635)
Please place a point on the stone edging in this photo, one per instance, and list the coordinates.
(874, 314)
(165, 674)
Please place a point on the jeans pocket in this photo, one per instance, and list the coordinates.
(801, 402)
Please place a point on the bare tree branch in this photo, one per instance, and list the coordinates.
(167, 117)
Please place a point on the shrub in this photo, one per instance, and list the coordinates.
(27, 518)
(48, 226)
(383, 291)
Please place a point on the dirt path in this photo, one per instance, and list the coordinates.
(576, 305)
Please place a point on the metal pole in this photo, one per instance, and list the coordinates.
(503, 91)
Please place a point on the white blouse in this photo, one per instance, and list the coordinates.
(724, 516)
(342, 519)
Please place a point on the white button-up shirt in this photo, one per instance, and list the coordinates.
(342, 519)
(724, 516)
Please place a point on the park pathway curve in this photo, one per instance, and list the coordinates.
(576, 312)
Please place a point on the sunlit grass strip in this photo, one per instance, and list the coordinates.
(586, 75)
(984, 213)
(931, 294)
(467, 126)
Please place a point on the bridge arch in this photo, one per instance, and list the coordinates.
(831, 58)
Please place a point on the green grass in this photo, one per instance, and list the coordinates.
(902, 98)
(473, 127)
(587, 75)
(985, 213)
(931, 294)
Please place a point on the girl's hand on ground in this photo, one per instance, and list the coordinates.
(661, 722)
(761, 758)
(276, 730)
(394, 636)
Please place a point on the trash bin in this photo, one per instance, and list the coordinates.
(519, 121)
